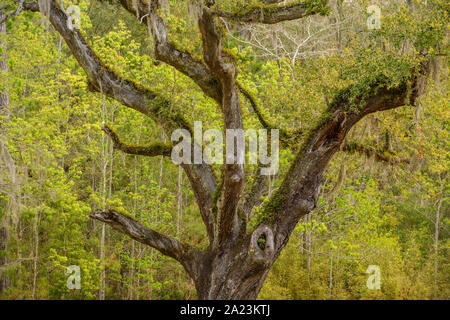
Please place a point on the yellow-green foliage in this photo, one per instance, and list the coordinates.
(57, 166)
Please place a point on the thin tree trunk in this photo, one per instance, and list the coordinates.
(161, 167)
(102, 259)
(330, 284)
(436, 236)
(3, 261)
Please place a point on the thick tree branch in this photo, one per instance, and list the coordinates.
(103, 79)
(166, 51)
(273, 13)
(298, 193)
(171, 247)
(229, 225)
(286, 137)
(153, 150)
(253, 196)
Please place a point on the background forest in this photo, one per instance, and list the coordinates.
(384, 201)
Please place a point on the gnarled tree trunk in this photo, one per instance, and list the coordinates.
(237, 261)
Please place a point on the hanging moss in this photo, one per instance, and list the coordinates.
(217, 194)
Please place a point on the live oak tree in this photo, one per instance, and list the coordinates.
(239, 257)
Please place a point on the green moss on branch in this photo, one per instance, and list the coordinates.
(155, 149)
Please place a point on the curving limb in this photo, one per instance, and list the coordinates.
(272, 12)
(15, 13)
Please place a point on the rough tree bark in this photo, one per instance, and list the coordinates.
(237, 262)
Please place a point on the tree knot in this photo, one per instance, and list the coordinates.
(262, 244)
